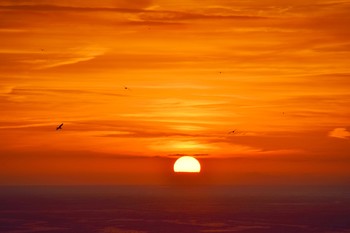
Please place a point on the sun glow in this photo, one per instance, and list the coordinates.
(187, 164)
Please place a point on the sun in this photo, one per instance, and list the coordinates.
(187, 164)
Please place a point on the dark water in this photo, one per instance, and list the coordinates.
(174, 209)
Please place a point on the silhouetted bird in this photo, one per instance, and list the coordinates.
(233, 131)
(59, 127)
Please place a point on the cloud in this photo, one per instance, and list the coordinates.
(68, 55)
(179, 16)
(36, 91)
(195, 155)
(339, 133)
(132, 14)
(21, 126)
(68, 8)
(74, 56)
(77, 3)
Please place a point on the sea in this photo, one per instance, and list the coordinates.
(140, 209)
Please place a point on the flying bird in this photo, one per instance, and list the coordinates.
(127, 88)
(59, 127)
(233, 131)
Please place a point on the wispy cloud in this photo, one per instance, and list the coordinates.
(23, 126)
(71, 56)
(30, 59)
(342, 133)
(76, 3)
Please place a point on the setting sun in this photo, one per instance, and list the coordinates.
(187, 164)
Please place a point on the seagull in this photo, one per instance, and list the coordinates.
(59, 127)
(233, 131)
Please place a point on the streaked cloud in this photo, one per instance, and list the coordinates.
(342, 133)
(77, 3)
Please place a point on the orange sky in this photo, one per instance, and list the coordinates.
(276, 71)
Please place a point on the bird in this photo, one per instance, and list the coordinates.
(59, 127)
(233, 131)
